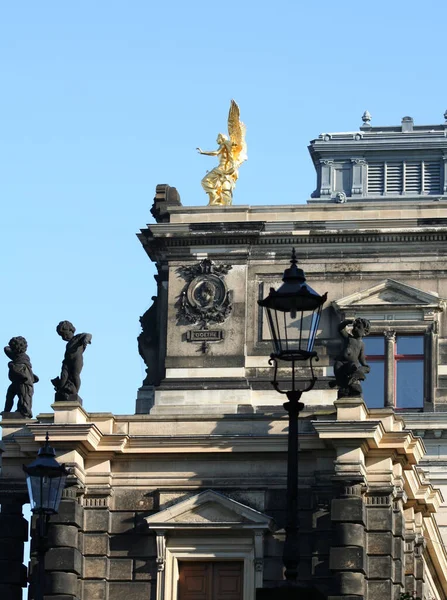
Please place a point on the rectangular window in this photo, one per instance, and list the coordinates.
(407, 363)
(409, 371)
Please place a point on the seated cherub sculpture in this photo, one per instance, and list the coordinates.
(350, 367)
(21, 377)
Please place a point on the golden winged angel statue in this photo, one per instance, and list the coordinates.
(221, 181)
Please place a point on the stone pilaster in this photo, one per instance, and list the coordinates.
(13, 534)
(347, 555)
(96, 543)
(358, 176)
(63, 560)
(381, 544)
(390, 343)
(399, 543)
(414, 548)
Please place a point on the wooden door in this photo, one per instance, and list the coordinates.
(210, 580)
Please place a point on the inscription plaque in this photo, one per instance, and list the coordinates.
(205, 335)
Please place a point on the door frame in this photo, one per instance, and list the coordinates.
(207, 548)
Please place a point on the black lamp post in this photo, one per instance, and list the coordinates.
(45, 479)
(293, 314)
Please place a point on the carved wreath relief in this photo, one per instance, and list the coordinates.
(205, 300)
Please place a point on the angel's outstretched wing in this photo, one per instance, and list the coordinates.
(236, 130)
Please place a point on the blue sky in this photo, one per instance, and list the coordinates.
(103, 100)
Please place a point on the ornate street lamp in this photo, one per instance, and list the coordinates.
(293, 314)
(45, 479)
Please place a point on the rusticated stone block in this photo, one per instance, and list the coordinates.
(61, 583)
(419, 568)
(379, 590)
(13, 526)
(132, 499)
(410, 584)
(63, 536)
(11, 549)
(399, 548)
(64, 559)
(145, 569)
(379, 518)
(96, 519)
(348, 510)
(12, 572)
(398, 523)
(380, 543)
(349, 534)
(95, 567)
(348, 583)
(132, 545)
(347, 558)
(122, 522)
(95, 543)
(70, 513)
(10, 592)
(136, 590)
(120, 569)
(380, 567)
(94, 590)
(409, 563)
(398, 571)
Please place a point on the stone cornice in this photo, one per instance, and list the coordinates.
(421, 496)
(436, 550)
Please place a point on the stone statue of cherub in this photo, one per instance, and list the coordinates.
(68, 384)
(350, 367)
(21, 377)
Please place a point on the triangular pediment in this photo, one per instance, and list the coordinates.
(209, 509)
(393, 294)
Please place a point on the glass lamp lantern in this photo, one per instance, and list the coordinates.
(293, 314)
(45, 479)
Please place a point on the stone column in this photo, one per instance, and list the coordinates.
(347, 559)
(13, 535)
(390, 394)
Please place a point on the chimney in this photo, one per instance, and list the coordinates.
(407, 124)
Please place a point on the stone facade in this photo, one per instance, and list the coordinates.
(199, 471)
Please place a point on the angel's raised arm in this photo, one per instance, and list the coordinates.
(208, 152)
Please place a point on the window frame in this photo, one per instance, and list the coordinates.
(391, 358)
